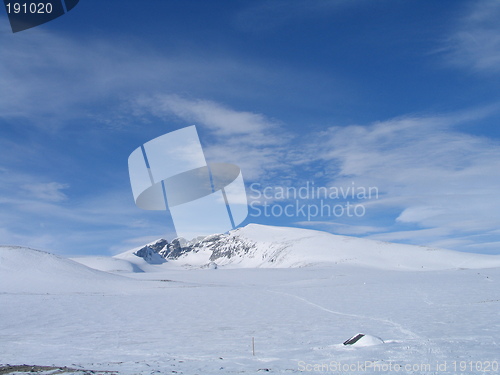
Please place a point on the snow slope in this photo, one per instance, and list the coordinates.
(203, 321)
(178, 320)
(108, 264)
(24, 270)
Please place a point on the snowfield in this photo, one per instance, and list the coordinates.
(142, 318)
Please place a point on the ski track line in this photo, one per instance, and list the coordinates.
(398, 326)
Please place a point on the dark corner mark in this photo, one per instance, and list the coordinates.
(27, 14)
(354, 339)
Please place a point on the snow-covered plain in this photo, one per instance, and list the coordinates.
(173, 319)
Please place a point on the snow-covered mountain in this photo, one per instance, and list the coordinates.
(256, 246)
(253, 319)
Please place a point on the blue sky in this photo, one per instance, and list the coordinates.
(399, 95)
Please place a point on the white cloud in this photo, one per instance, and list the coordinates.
(39, 215)
(475, 43)
(340, 228)
(418, 214)
(250, 140)
(220, 119)
(428, 174)
(434, 175)
(51, 79)
(54, 77)
(51, 191)
(431, 174)
(427, 236)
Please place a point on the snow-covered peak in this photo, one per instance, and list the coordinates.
(156, 245)
(267, 246)
(150, 255)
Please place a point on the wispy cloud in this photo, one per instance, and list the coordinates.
(430, 236)
(438, 184)
(250, 140)
(433, 178)
(475, 42)
(433, 175)
(223, 121)
(341, 228)
(56, 82)
(52, 79)
(41, 215)
(50, 191)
